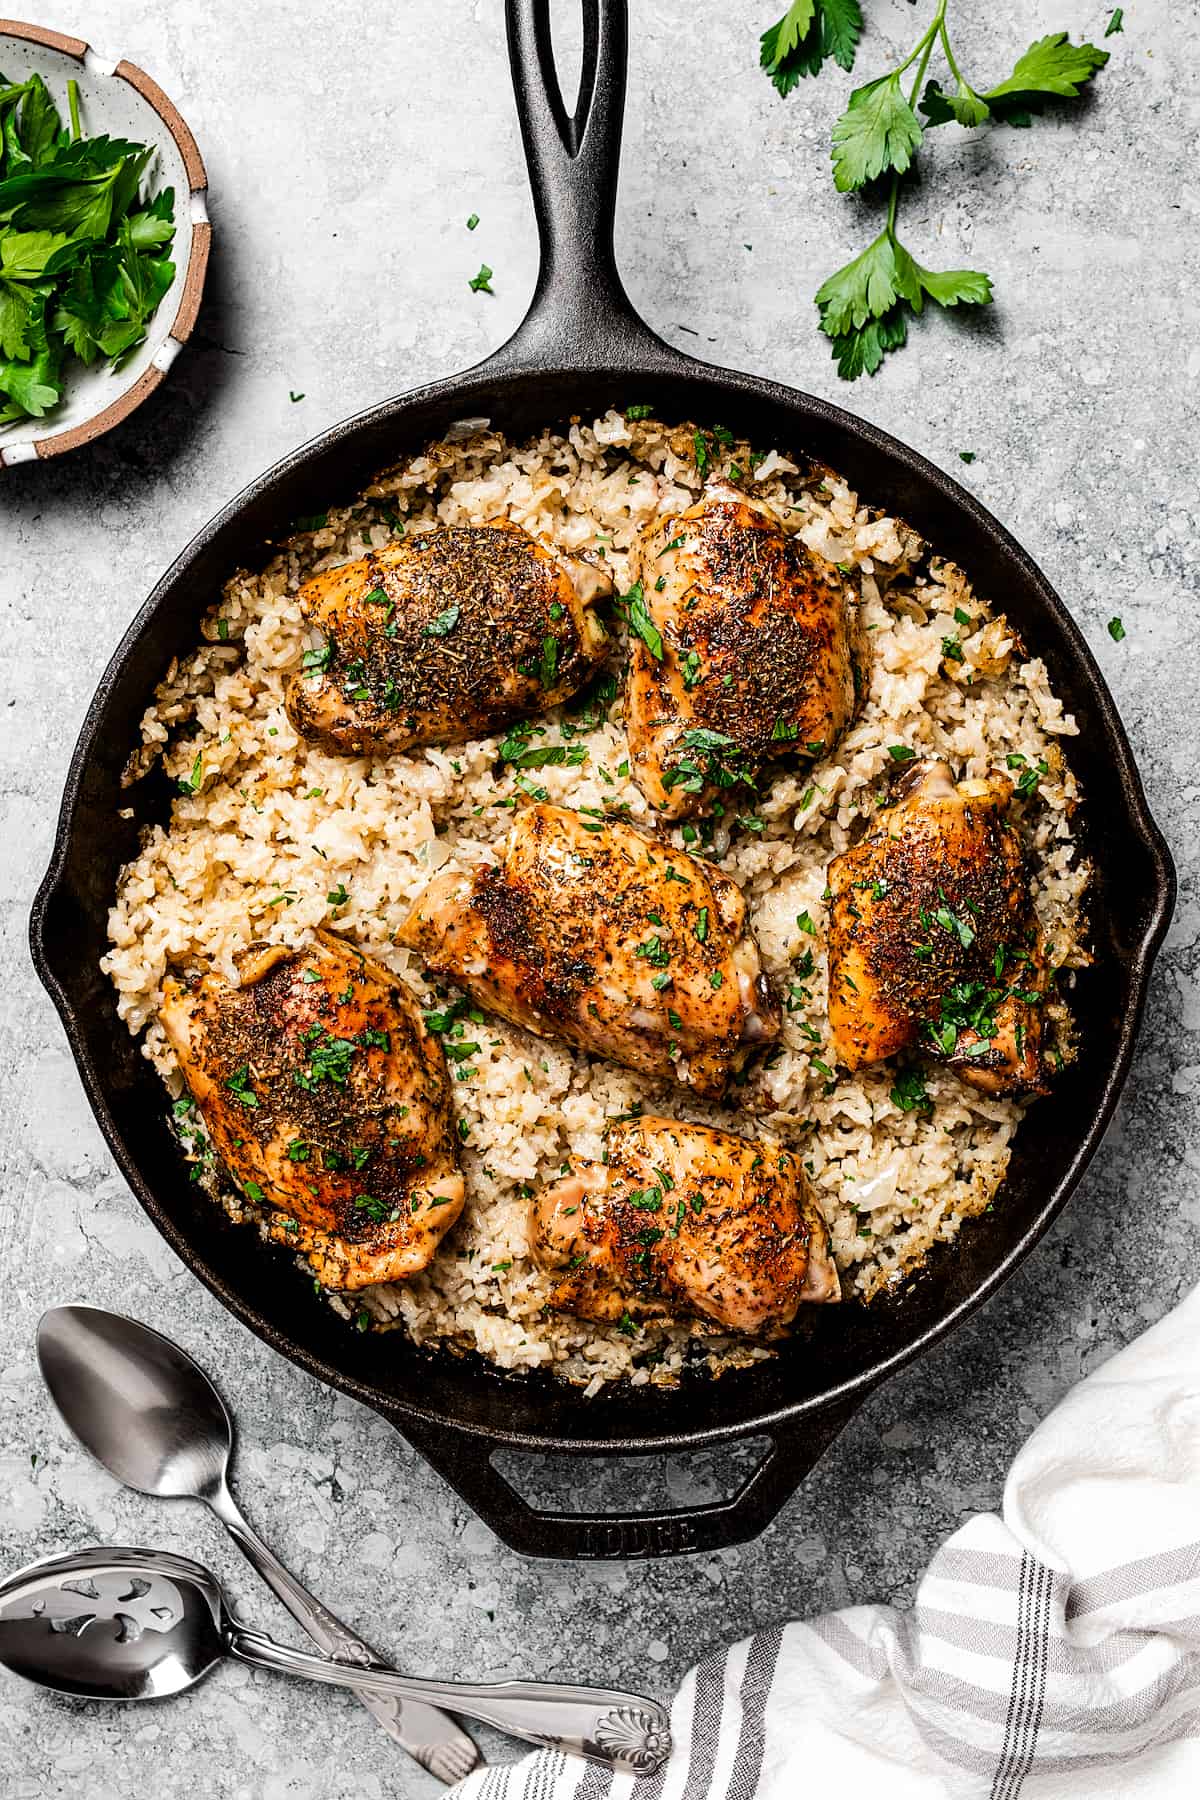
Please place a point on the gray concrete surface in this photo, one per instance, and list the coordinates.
(346, 146)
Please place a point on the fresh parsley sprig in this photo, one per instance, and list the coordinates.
(864, 307)
(83, 255)
(810, 32)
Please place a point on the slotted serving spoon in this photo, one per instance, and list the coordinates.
(120, 1624)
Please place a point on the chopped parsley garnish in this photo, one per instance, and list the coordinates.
(691, 670)
(473, 221)
(548, 664)
(444, 623)
(191, 784)
(654, 951)
(329, 1059)
(239, 1085)
(482, 283)
(376, 1209)
(640, 411)
(900, 753)
(952, 650)
(337, 896)
(1116, 630)
(640, 623)
(804, 921)
(970, 1007)
(700, 929)
(910, 1093)
(949, 921)
(720, 756)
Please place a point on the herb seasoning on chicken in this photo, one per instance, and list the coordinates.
(932, 944)
(600, 934)
(744, 646)
(328, 1101)
(680, 1220)
(445, 635)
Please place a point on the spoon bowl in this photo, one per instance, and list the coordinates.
(112, 1624)
(137, 1401)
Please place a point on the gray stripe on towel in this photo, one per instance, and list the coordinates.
(761, 1661)
(1170, 1568)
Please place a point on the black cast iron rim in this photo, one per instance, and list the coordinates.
(581, 345)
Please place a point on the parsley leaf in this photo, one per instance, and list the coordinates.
(1116, 630)
(810, 32)
(878, 131)
(482, 283)
(640, 622)
(910, 1093)
(1051, 66)
(444, 623)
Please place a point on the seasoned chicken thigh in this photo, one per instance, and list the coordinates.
(680, 1220)
(609, 938)
(444, 635)
(931, 941)
(761, 653)
(327, 1100)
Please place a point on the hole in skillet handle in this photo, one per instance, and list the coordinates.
(465, 1462)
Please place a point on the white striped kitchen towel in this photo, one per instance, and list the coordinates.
(1053, 1652)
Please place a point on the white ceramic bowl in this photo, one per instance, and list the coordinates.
(119, 99)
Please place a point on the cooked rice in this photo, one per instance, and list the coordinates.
(276, 825)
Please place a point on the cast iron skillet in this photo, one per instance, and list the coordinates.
(580, 349)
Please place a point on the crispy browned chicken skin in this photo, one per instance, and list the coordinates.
(328, 1100)
(609, 938)
(931, 942)
(445, 635)
(760, 648)
(680, 1220)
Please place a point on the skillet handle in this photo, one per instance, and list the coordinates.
(465, 1463)
(580, 314)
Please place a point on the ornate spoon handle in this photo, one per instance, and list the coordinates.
(620, 1731)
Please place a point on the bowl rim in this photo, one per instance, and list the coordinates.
(73, 437)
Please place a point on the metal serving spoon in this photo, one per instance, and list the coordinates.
(139, 1624)
(153, 1418)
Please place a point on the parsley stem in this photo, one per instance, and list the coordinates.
(924, 50)
(926, 43)
(954, 68)
(937, 28)
(73, 103)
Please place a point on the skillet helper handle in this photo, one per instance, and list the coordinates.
(466, 1465)
(579, 311)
